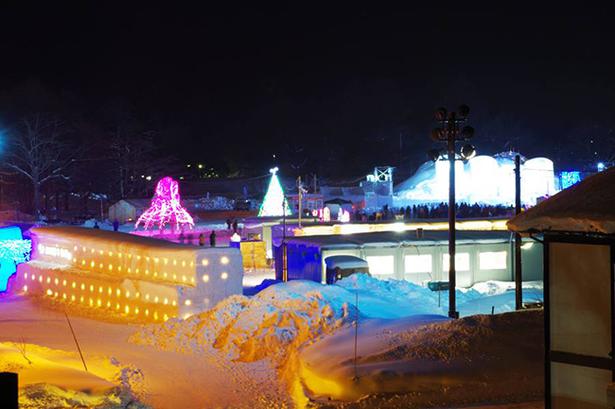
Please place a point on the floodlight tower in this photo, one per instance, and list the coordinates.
(450, 131)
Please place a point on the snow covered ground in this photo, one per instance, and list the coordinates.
(473, 359)
(279, 321)
(160, 379)
(245, 351)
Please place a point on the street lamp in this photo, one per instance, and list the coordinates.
(450, 131)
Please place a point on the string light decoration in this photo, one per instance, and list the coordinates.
(12, 252)
(274, 198)
(165, 208)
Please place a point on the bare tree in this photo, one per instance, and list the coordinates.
(22, 347)
(137, 162)
(132, 153)
(38, 152)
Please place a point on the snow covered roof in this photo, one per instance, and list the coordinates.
(587, 207)
(81, 234)
(394, 239)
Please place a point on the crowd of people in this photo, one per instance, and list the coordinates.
(437, 211)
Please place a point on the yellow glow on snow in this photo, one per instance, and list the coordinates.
(352, 228)
(314, 382)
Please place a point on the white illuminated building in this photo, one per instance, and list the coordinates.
(482, 179)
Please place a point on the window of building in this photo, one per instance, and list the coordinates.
(492, 260)
(381, 265)
(418, 263)
(462, 262)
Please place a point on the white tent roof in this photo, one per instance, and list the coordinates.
(587, 207)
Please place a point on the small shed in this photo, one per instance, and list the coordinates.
(127, 210)
(577, 227)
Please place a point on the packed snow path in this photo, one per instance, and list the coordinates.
(170, 379)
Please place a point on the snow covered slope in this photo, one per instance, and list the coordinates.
(474, 359)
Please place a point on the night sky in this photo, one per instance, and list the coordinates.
(333, 91)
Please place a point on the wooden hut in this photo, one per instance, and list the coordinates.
(577, 227)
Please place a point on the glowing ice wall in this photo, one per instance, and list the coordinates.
(165, 208)
(482, 169)
(537, 179)
(483, 179)
(128, 276)
(505, 179)
(440, 190)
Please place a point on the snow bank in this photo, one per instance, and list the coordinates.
(286, 315)
(52, 378)
(474, 359)
(44, 396)
(493, 287)
(400, 298)
(280, 318)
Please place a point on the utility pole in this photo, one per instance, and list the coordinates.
(284, 253)
(518, 266)
(300, 191)
(452, 231)
(450, 132)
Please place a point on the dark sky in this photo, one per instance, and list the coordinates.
(326, 90)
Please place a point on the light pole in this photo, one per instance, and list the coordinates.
(449, 132)
(300, 191)
(284, 249)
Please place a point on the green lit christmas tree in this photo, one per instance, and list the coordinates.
(274, 203)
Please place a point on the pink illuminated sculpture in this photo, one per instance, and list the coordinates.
(165, 208)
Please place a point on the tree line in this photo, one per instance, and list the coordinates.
(45, 156)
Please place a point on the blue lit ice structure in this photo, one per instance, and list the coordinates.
(482, 179)
(13, 250)
(569, 178)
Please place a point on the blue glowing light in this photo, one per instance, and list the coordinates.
(568, 179)
(13, 250)
(600, 166)
(10, 233)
